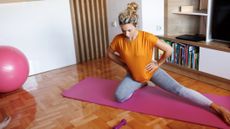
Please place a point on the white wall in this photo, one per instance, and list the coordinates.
(114, 7)
(42, 30)
(153, 16)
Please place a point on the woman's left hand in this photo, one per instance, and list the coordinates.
(152, 66)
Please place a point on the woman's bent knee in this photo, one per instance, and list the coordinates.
(122, 98)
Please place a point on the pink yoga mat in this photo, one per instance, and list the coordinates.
(148, 100)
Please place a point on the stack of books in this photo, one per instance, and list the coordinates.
(183, 54)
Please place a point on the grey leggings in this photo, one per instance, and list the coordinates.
(128, 86)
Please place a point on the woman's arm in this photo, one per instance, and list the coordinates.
(167, 49)
(114, 57)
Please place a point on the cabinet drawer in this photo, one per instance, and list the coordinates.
(215, 62)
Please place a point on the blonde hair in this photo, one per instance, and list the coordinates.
(129, 15)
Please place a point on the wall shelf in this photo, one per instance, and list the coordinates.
(221, 46)
(194, 13)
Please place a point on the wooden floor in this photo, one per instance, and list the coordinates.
(39, 105)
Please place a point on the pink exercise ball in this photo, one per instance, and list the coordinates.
(14, 69)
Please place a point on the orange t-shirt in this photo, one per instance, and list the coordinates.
(136, 53)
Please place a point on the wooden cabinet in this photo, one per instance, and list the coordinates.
(213, 61)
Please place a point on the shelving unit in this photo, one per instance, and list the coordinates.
(213, 57)
(184, 55)
(220, 46)
(194, 22)
(194, 13)
(210, 73)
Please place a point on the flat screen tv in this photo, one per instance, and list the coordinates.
(220, 20)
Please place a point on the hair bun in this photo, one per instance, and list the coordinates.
(132, 7)
(129, 15)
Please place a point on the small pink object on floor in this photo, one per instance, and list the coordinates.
(121, 123)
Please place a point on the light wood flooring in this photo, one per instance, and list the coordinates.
(40, 105)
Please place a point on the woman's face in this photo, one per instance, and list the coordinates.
(128, 30)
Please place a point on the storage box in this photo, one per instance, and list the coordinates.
(188, 8)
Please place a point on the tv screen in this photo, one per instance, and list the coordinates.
(220, 21)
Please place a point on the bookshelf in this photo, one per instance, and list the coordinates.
(184, 55)
(194, 59)
(211, 58)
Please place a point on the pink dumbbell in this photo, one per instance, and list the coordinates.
(121, 123)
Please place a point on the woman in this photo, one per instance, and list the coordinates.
(135, 48)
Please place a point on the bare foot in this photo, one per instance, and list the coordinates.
(5, 122)
(222, 112)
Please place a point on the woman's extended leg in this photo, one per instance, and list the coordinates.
(165, 81)
(126, 88)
